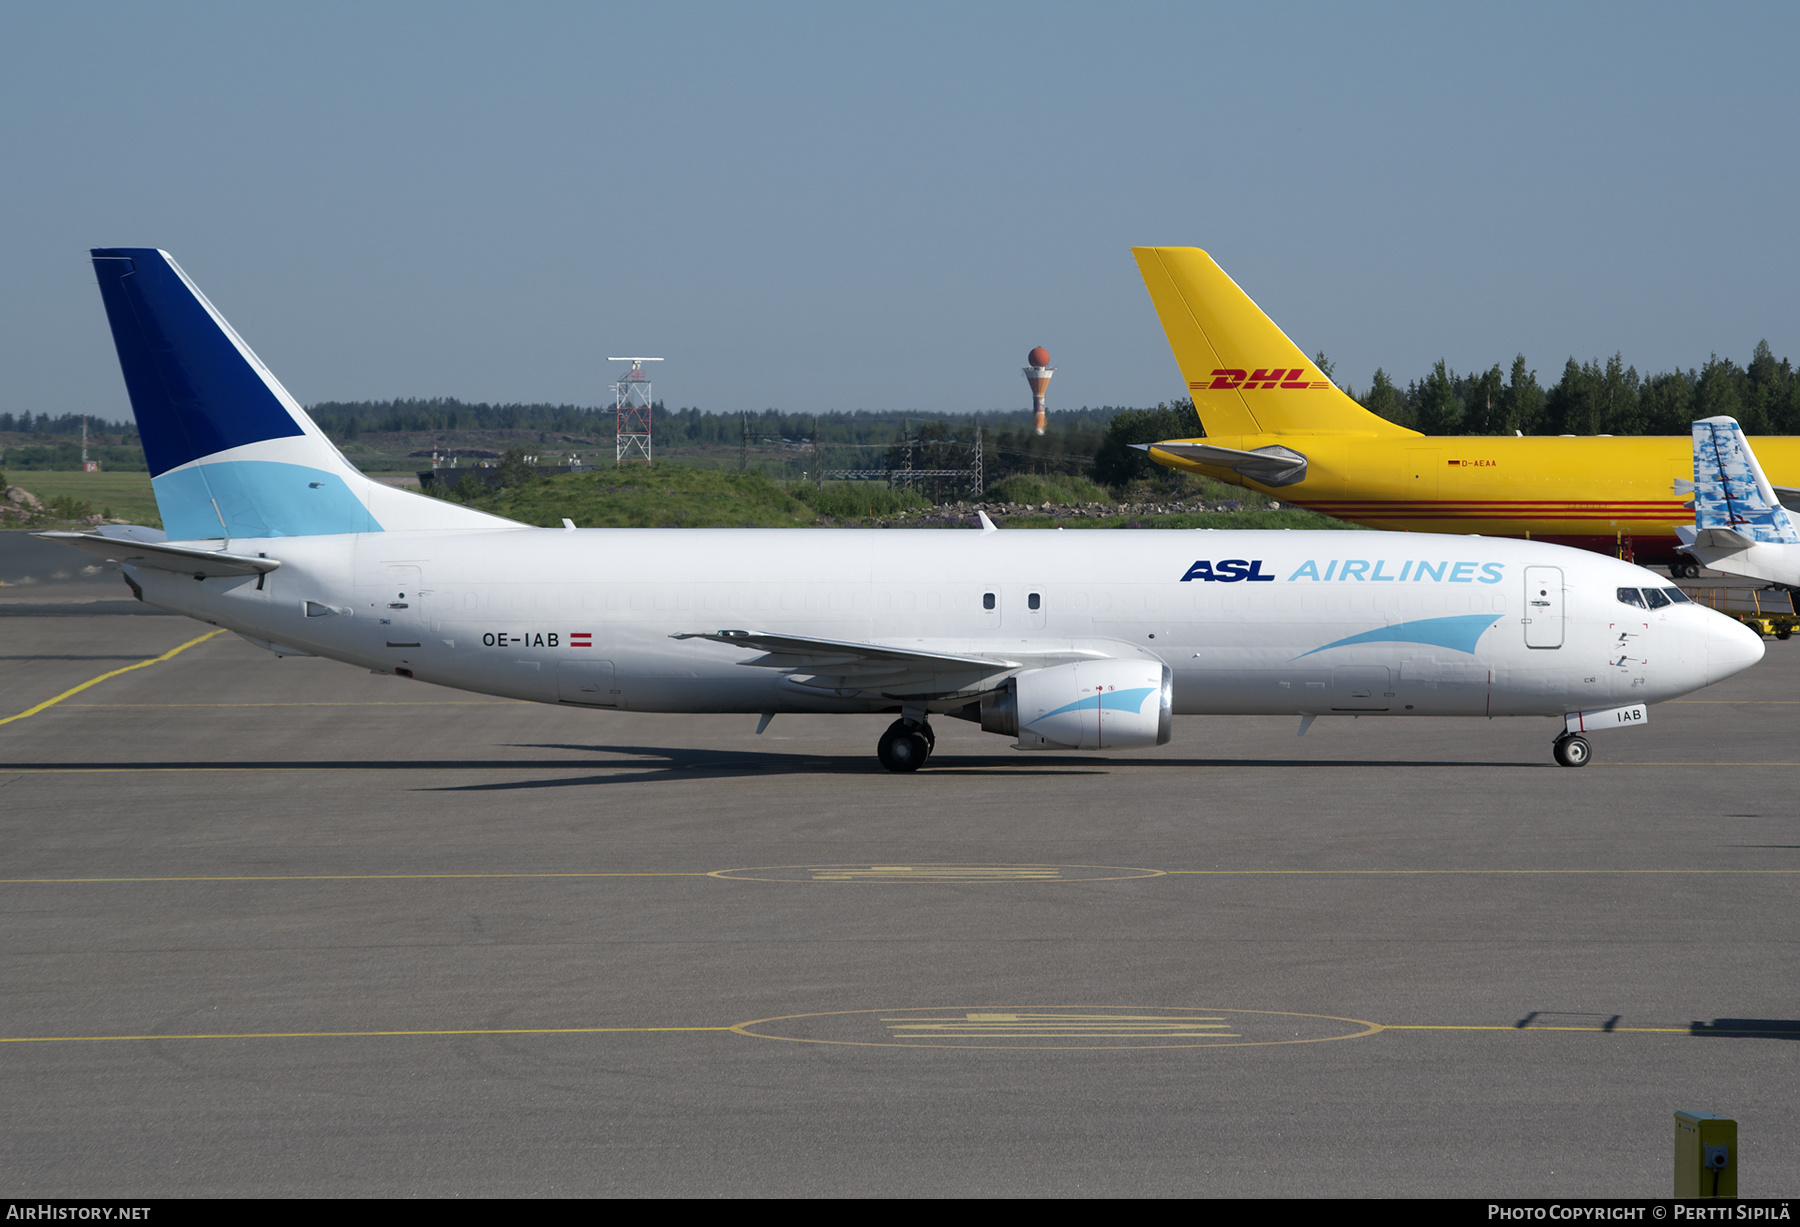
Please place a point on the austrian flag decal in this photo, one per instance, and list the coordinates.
(581, 639)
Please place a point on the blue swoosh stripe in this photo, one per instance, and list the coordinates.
(1459, 633)
(1109, 700)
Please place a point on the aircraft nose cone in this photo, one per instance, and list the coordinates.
(1731, 647)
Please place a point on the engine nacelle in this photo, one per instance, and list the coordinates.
(1089, 705)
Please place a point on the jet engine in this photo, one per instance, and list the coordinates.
(1089, 705)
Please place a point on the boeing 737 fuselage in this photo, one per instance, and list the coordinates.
(1057, 640)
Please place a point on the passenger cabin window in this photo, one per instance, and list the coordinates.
(1631, 596)
(1655, 598)
(987, 600)
(1034, 601)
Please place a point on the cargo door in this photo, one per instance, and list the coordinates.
(1423, 467)
(1364, 688)
(590, 683)
(1543, 607)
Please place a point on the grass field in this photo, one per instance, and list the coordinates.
(126, 494)
(668, 496)
(676, 496)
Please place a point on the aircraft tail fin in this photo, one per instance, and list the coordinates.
(231, 453)
(1245, 375)
(1730, 491)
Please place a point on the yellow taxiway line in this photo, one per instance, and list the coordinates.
(325, 1035)
(737, 1028)
(695, 873)
(95, 681)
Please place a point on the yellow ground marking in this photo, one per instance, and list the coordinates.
(936, 873)
(1227, 873)
(430, 703)
(979, 1025)
(32, 711)
(727, 875)
(332, 1035)
(189, 770)
(942, 873)
(351, 877)
(1014, 1026)
(1607, 1030)
(331, 766)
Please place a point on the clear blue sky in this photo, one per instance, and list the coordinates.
(838, 206)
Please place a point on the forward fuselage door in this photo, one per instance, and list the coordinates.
(1543, 607)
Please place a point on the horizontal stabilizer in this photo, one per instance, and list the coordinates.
(1713, 538)
(1267, 466)
(184, 559)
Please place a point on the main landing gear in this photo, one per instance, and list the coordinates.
(1572, 750)
(906, 745)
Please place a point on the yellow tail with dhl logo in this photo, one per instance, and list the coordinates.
(1245, 375)
(1275, 424)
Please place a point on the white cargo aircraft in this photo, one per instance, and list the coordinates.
(1058, 640)
(1740, 524)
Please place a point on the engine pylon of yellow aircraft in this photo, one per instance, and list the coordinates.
(1275, 424)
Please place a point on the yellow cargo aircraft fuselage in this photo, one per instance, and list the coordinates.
(1274, 424)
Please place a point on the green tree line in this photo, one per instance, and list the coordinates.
(1593, 398)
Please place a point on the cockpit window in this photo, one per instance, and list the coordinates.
(1656, 598)
(1677, 596)
(1631, 596)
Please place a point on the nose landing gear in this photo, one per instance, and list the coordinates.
(906, 745)
(1572, 750)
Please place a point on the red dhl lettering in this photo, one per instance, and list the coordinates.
(1231, 379)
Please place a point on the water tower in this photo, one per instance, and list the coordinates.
(1037, 373)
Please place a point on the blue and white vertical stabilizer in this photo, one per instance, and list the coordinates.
(1740, 526)
(231, 453)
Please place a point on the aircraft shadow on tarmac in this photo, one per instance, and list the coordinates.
(1718, 1028)
(663, 763)
(1747, 1028)
(654, 763)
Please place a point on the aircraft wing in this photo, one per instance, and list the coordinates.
(801, 651)
(1788, 496)
(1268, 466)
(888, 669)
(184, 559)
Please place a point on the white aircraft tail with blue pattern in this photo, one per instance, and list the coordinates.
(1740, 526)
(231, 454)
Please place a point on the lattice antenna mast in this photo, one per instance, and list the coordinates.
(631, 406)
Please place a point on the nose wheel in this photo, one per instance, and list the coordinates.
(906, 745)
(1572, 750)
